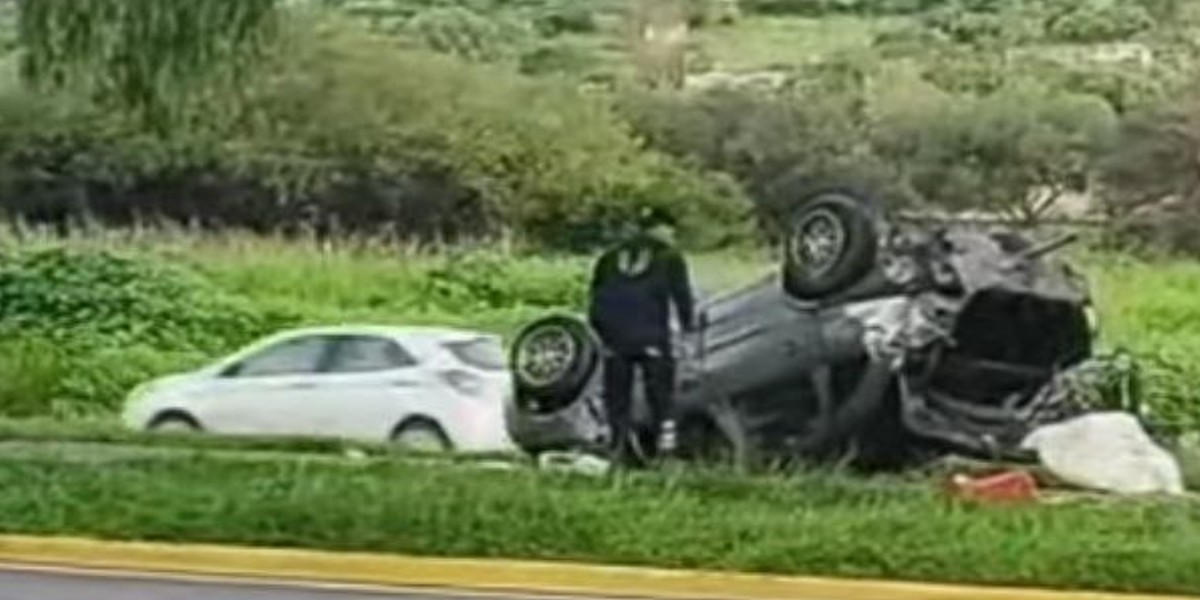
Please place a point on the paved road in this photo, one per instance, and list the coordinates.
(19, 583)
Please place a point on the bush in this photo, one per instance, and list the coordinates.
(567, 16)
(470, 35)
(1095, 22)
(1013, 152)
(818, 8)
(79, 329)
(983, 24)
(815, 126)
(1148, 177)
(63, 295)
(470, 283)
(563, 58)
(345, 130)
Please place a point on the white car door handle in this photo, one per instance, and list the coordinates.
(403, 383)
(302, 385)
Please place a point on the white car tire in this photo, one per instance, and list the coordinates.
(421, 436)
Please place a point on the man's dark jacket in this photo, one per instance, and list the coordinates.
(633, 286)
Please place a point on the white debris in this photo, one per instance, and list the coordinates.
(1106, 451)
(574, 462)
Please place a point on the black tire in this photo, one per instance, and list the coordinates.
(550, 383)
(174, 422)
(845, 224)
(424, 430)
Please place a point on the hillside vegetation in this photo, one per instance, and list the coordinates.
(813, 524)
(544, 121)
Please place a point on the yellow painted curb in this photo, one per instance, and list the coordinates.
(488, 576)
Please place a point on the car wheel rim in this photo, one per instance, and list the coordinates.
(420, 440)
(546, 355)
(818, 242)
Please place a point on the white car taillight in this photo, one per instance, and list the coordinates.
(464, 382)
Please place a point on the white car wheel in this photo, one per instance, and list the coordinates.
(421, 437)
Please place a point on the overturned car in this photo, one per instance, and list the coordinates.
(878, 342)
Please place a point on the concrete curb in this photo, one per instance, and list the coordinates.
(485, 577)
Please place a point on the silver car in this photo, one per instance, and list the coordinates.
(880, 341)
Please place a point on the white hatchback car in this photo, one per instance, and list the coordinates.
(420, 387)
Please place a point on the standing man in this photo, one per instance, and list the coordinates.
(633, 287)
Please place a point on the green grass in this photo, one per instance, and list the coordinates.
(51, 433)
(811, 524)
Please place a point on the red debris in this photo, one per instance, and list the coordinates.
(1006, 487)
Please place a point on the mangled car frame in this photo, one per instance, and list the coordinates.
(878, 340)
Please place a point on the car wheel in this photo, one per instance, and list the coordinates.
(830, 245)
(551, 360)
(174, 423)
(421, 436)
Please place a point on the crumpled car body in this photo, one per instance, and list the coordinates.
(938, 340)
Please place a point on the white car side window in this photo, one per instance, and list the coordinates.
(356, 354)
(291, 357)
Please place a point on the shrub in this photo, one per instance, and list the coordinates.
(1149, 183)
(815, 126)
(1095, 22)
(80, 328)
(818, 8)
(984, 24)
(1014, 151)
(470, 35)
(64, 295)
(567, 16)
(345, 130)
(560, 57)
(468, 283)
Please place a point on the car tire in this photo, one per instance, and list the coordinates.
(552, 360)
(174, 422)
(831, 244)
(421, 435)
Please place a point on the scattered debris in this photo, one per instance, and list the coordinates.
(573, 462)
(1106, 451)
(1007, 487)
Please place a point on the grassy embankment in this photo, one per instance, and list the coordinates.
(824, 524)
(811, 524)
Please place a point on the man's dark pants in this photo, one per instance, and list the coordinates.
(657, 367)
